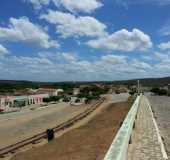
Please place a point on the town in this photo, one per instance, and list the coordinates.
(37, 97)
(84, 79)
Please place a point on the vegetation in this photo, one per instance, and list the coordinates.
(67, 87)
(158, 91)
(52, 99)
(66, 99)
(16, 86)
(132, 92)
(92, 92)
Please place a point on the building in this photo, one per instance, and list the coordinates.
(21, 101)
(5, 101)
(50, 91)
(24, 98)
(37, 98)
(76, 91)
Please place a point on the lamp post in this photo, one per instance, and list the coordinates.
(138, 88)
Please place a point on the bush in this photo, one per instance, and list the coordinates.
(46, 100)
(155, 90)
(162, 92)
(77, 100)
(51, 99)
(66, 99)
(132, 93)
(159, 91)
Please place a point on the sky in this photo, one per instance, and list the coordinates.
(89, 40)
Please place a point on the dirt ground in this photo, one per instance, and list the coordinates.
(88, 142)
(18, 126)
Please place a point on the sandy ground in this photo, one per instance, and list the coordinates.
(88, 142)
(161, 109)
(15, 127)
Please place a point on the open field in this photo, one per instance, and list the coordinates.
(15, 127)
(90, 141)
(161, 108)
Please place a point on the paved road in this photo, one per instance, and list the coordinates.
(161, 108)
(145, 145)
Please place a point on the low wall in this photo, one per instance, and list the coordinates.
(119, 147)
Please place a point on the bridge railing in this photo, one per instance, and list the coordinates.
(119, 147)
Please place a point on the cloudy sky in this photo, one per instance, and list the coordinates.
(75, 40)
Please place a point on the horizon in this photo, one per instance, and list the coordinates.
(97, 40)
(84, 81)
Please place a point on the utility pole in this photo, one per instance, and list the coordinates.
(138, 88)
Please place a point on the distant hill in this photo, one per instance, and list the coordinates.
(146, 81)
(14, 84)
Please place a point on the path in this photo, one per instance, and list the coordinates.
(145, 144)
(161, 108)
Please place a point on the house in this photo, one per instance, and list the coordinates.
(21, 100)
(76, 91)
(49, 91)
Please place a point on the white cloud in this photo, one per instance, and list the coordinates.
(22, 30)
(87, 6)
(163, 67)
(69, 67)
(3, 50)
(164, 46)
(147, 57)
(78, 6)
(161, 56)
(69, 25)
(140, 65)
(154, 2)
(63, 56)
(68, 57)
(38, 3)
(165, 29)
(114, 59)
(123, 40)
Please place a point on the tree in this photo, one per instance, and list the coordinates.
(162, 92)
(155, 90)
(46, 100)
(159, 91)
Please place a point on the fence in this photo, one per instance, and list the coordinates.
(119, 146)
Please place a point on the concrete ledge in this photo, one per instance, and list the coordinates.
(119, 146)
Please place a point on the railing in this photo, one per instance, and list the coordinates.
(119, 146)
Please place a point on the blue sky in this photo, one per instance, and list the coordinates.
(71, 40)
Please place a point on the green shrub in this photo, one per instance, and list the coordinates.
(162, 92)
